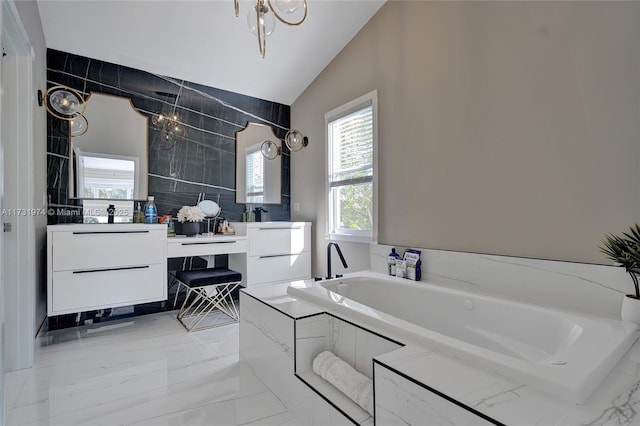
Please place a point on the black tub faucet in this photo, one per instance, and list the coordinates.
(344, 262)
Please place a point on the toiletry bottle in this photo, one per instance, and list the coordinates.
(111, 211)
(171, 227)
(150, 211)
(391, 262)
(138, 214)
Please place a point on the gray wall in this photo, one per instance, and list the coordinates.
(504, 127)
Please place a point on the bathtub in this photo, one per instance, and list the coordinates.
(564, 354)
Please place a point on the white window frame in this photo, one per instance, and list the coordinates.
(369, 99)
(80, 155)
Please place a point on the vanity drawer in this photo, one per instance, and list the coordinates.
(278, 268)
(78, 291)
(104, 248)
(203, 248)
(278, 240)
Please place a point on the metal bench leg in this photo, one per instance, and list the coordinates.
(207, 300)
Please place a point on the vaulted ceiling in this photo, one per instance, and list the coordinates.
(203, 41)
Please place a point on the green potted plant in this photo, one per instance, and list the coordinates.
(625, 251)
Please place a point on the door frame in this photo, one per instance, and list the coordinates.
(17, 247)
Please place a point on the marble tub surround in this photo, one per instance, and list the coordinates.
(458, 385)
(566, 355)
(274, 296)
(354, 345)
(401, 399)
(267, 346)
(413, 375)
(586, 288)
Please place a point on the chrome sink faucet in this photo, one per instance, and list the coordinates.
(344, 262)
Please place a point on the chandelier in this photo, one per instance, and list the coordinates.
(169, 124)
(171, 127)
(262, 18)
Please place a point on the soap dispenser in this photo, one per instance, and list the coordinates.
(138, 216)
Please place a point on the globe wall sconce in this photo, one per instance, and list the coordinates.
(294, 139)
(66, 104)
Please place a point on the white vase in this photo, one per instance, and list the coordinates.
(630, 309)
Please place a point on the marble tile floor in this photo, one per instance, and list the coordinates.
(144, 370)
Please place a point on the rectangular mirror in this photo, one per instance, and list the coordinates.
(109, 161)
(258, 178)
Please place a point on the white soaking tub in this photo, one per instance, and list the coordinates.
(565, 354)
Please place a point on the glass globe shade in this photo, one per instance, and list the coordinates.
(65, 102)
(157, 119)
(177, 129)
(288, 6)
(294, 140)
(78, 125)
(269, 150)
(268, 20)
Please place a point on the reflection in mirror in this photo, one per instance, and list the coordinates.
(106, 177)
(258, 179)
(254, 174)
(110, 159)
(96, 211)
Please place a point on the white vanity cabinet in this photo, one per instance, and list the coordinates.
(276, 252)
(97, 266)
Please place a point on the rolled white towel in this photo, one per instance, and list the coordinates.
(355, 385)
(322, 362)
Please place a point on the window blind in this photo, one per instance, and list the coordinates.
(352, 148)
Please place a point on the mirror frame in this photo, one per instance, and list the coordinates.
(142, 189)
(252, 134)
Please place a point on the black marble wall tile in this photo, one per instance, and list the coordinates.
(201, 162)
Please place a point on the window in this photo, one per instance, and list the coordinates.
(351, 170)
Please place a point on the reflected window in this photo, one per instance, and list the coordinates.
(96, 211)
(106, 177)
(115, 144)
(255, 174)
(258, 179)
